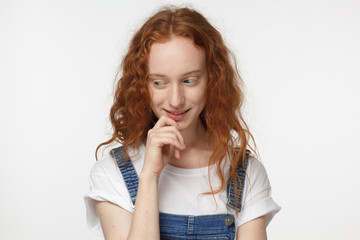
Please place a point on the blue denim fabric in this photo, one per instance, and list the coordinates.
(196, 227)
(240, 183)
(128, 171)
(220, 226)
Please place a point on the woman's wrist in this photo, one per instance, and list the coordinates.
(148, 176)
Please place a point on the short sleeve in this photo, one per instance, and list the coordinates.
(257, 200)
(106, 184)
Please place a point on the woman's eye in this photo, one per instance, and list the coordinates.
(158, 83)
(189, 81)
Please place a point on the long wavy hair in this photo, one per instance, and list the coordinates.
(131, 115)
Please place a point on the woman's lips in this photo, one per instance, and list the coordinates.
(177, 115)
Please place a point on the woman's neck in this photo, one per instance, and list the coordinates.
(193, 135)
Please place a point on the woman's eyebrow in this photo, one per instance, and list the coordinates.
(157, 75)
(152, 75)
(192, 72)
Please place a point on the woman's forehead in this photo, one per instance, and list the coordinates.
(177, 54)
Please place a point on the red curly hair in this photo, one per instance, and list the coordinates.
(131, 115)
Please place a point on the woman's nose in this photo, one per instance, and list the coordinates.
(176, 97)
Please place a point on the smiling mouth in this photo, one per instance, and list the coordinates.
(177, 113)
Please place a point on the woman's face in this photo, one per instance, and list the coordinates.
(177, 81)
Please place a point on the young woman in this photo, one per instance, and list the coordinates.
(183, 170)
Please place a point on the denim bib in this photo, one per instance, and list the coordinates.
(173, 226)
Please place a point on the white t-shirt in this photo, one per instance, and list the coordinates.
(180, 191)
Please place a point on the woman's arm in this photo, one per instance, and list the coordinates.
(119, 224)
(253, 230)
(162, 140)
(115, 221)
(145, 222)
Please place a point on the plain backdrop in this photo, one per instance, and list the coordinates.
(300, 61)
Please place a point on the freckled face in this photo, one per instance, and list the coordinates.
(177, 81)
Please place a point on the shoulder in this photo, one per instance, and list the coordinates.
(252, 169)
(257, 200)
(107, 166)
(104, 167)
(257, 179)
(255, 169)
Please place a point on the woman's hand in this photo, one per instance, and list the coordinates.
(163, 141)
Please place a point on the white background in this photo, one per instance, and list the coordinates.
(299, 59)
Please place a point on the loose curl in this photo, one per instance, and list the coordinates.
(131, 115)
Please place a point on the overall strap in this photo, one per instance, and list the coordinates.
(240, 183)
(127, 170)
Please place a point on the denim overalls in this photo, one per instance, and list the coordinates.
(172, 226)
